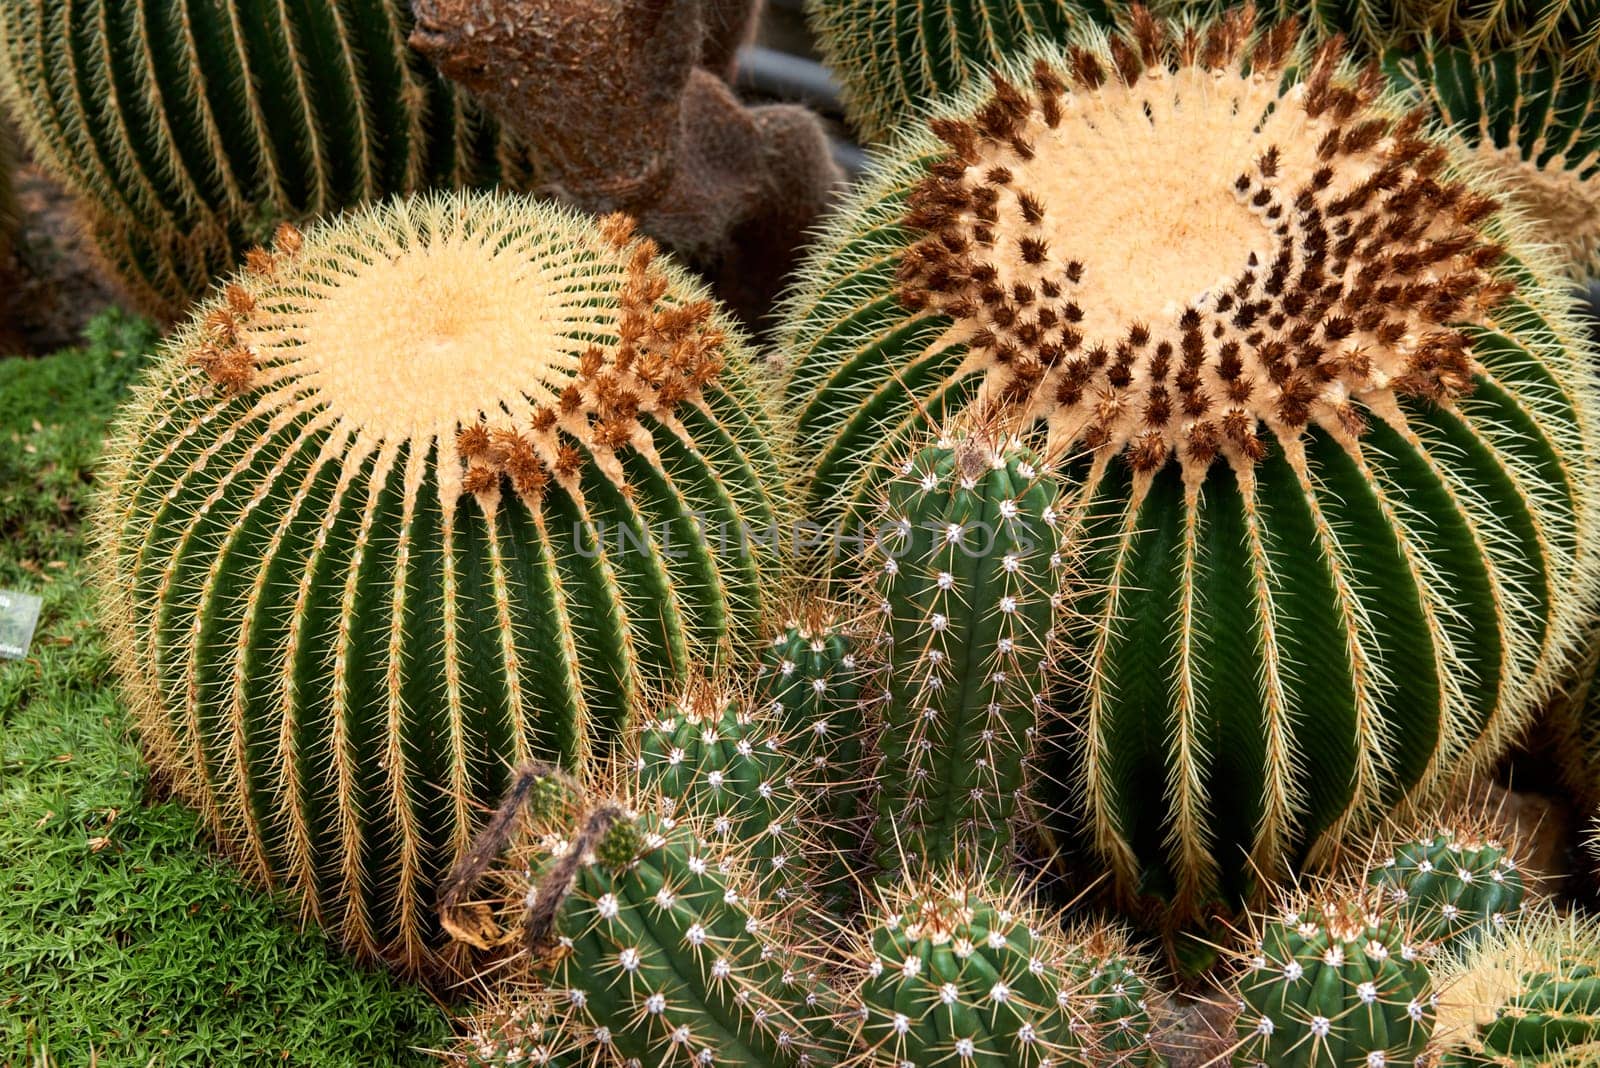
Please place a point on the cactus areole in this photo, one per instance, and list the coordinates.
(1325, 426)
(424, 494)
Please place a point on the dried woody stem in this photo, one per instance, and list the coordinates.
(617, 102)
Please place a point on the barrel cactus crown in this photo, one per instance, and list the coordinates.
(1326, 426)
(423, 494)
(1455, 885)
(1333, 983)
(1528, 996)
(184, 131)
(1533, 122)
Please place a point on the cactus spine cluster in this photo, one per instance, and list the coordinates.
(1528, 996)
(1533, 121)
(716, 757)
(950, 972)
(425, 493)
(967, 573)
(1332, 983)
(1326, 426)
(809, 681)
(1449, 887)
(183, 130)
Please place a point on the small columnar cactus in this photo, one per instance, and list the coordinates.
(1528, 996)
(1451, 886)
(646, 941)
(717, 755)
(892, 56)
(183, 131)
(1332, 983)
(965, 573)
(809, 680)
(416, 498)
(1326, 426)
(1533, 121)
(947, 971)
(1116, 997)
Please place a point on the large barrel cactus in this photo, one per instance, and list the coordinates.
(425, 493)
(185, 129)
(1326, 424)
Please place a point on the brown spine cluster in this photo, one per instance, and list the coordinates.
(1385, 264)
(224, 355)
(665, 354)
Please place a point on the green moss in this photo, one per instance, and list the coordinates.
(122, 938)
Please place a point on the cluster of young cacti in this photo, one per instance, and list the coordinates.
(950, 971)
(433, 490)
(188, 134)
(1324, 422)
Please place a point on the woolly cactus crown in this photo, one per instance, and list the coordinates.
(1326, 423)
(427, 491)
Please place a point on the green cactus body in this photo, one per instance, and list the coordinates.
(1335, 487)
(1447, 888)
(967, 574)
(948, 973)
(715, 755)
(1531, 119)
(666, 955)
(891, 56)
(1113, 992)
(183, 130)
(1333, 986)
(408, 504)
(810, 681)
(1528, 996)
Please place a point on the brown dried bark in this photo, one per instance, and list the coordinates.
(615, 99)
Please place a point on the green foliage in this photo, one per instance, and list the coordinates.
(1446, 888)
(1333, 986)
(123, 941)
(188, 133)
(967, 571)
